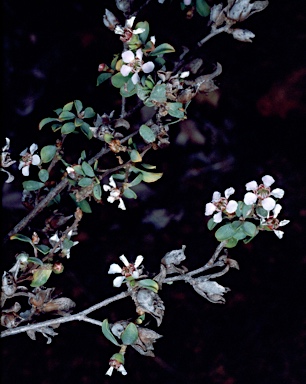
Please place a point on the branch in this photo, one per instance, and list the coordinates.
(81, 316)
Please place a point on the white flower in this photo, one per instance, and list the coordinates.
(272, 223)
(122, 370)
(129, 269)
(221, 204)
(54, 240)
(135, 64)
(119, 368)
(126, 32)
(263, 193)
(28, 158)
(114, 193)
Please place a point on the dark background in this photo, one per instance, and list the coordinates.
(253, 126)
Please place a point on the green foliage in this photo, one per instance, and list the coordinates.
(43, 175)
(107, 333)
(32, 185)
(47, 153)
(130, 334)
(162, 49)
(202, 8)
(148, 284)
(41, 275)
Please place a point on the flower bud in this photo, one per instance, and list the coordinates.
(58, 268)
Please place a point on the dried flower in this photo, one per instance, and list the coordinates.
(6, 160)
(221, 205)
(239, 10)
(115, 193)
(110, 20)
(135, 64)
(28, 158)
(129, 269)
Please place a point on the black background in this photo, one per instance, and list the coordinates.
(51, 52)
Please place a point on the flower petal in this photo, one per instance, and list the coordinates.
(26, 170)
(35, 160)
(128, 56)
(135, 78)
(279, 234)
(229, 191)
(124, 260)
(109, 371)
(284, 222)
(250, 198)
(251, 186)
(148, 67)
(118, 281)
(139, 54)
(129, 22)
(268, 203)
(24, 152)
(267, 180)
(138, 31)
(278, 192)
(106, 187)
(122, 370)
(276, 210)
(218, 217)
(125, 70)
(112, 182)
(135, 274)
(209, 209)
(121, 205)
(138, 261)
(114, 268)
(111, 199)
(231, 206)
(33, 148)
(216, 197)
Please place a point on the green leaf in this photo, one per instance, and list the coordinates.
(211, 224)
(47, 153)
(240, 234)
(78, 106)
(83, 155)
(87, 169)
(202, 8)
(43, 175)
(85, 207)
(176, 110)
(35, 260)
(56, 127)
(162, 49)
(78, 122)
(103, 77)
(31, 185)
(20, 237)
(148, 284)
(147, 134)
(58, 111)
(142, 92)
(85, 129)
(46, 121)
(78, 169)
(107, 333)
(135, 156)
(119, 176)
(129, 335)
(148, 166)
(231, 243)
(41, 275)
(136, 181)
(68, 106)
(246, 210)
(148, 177)
(85, 182)
(249, 228)
(114, 61)
(97, 191)
(144, 35)
(108, 137)
(89, 112)
(159, 93)
(67, 128)
(118, 80)
(66, 115)
(225, 232)
(261, 212)
(44, 249)
(129, 194)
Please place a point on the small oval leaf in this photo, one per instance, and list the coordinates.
(20, 237)
(107, 333)
(31, 185)
(249, 228)
(135, 156)
(67, 128)
(46, 121)
(225, 232)
(43, 175)
(41, 275)
(85, 182)
(47, 153)
(147, 134)
(130, 334)
(87, 169)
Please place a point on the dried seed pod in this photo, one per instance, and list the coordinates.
(144, 343)
(149, 302)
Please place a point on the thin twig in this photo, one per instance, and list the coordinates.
(81, 316)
